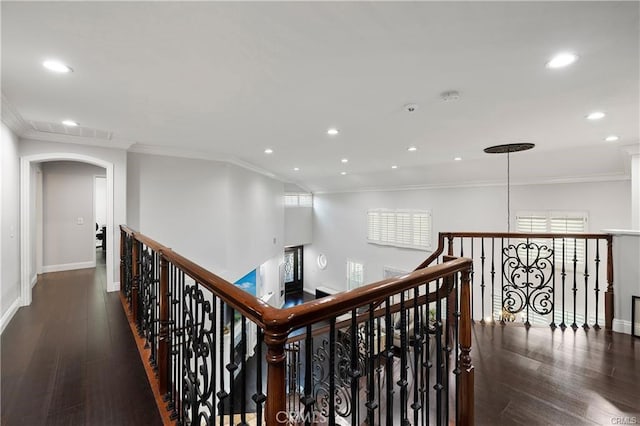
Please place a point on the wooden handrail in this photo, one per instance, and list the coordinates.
(524, 235)
(288, 319)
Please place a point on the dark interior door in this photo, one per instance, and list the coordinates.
(293, 258)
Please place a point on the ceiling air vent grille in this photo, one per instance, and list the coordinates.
(79, 131)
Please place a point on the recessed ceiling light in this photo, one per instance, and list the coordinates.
(268, 151)
(333, 131)
(611, 138)
(56, 66)
(596, 115)
(343, 173)
(562, 60)
(457, 159)
(345, 160)
(394, 167)
(412, 149)
(295, 169)
(70, 123)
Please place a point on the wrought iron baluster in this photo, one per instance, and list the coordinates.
(259, 397)
(308, 400)
(388, 326)
(371, 398)
(502, 275)
(222, 394)
(597, 284)
(243, 371)
(456, 317)
(232, 366)
(493, 280)
(417, 345)
(213, 350)
(439, 386)
(585, 325)
(472, 278)
(563, 275)
(379, 368)
(355, 371)
(425, 362)
(553, 278)
(332, 372)
(402, 383)
(528, 282)
(482, 285)
(575, 282)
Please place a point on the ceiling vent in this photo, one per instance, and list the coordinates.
(80, 131)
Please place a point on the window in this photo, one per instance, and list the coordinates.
(400, 228)
(561, 223)
(298, 200)
(355, 274)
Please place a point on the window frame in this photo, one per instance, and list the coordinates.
(397, 228)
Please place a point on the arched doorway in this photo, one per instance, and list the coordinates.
(27, 234)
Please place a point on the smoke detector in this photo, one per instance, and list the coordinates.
(450, 95)
(411, 107)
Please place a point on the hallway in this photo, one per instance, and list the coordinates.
(70, 358)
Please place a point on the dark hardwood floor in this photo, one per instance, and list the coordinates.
(544, 377)
(70, 357)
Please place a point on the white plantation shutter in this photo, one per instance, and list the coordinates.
(298, 200)
(404, 229)
(388, 227)
(556, 222)
(373, 226)
(400, 228)
(569, 224)
(422, 229)
(355, 274)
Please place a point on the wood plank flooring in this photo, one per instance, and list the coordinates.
(544, 377)
(70, 358)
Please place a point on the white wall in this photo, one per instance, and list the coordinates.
(225, 218)
(100, 199)
(626, 277)
(10, 226)
(339, 223)
(68, 198)
(117, 157)
(298, 226)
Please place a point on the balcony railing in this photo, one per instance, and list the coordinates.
(394, 352)
(560, 280)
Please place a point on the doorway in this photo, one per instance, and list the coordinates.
(293, 269)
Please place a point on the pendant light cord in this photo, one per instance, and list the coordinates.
(508, 191)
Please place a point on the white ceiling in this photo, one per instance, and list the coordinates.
(231, 79)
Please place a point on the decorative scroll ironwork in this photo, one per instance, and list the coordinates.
(128, 268)
(527, 269)
(146, 291)
(199, 328)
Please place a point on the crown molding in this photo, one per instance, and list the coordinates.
(79, 140)
(12, 117)
(632, 148)
(548, 181)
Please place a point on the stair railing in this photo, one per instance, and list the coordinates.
(405, 343)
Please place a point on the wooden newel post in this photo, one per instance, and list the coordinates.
(608, 295)
(465, 365)
(123, 275)
(163, 335)
(276, 409)
(450, 245)
(135, 279)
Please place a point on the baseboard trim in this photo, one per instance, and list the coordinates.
(68, 266)
(115, 286)
(8, 316)
(621, 326)
(34, 280)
